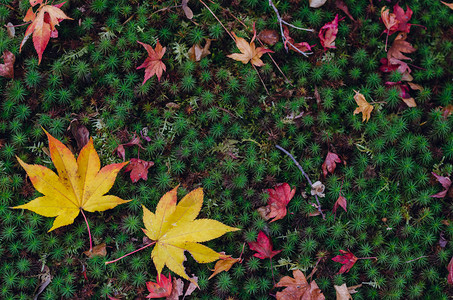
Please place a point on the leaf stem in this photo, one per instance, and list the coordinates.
(115, 260)
(372, 257)
(272, 271)
(260, 78)
(89, 231)
(217, 19)
(306, 176)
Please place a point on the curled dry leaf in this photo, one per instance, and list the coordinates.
(342, 292)
(318, 189)
(249, 52)
(99, 250)
(389, 19)
(446, 184)
(298, 288)
(196, 53)
(269, 36)
(11, 30)
(317, 3)
(153, 63)
(400, 46)
(80, 133)
(364, 107)
(7, 68)
(187, 11)
(341, 201)
(263, 247)
(330, 163)
(328, 33)
(292, 45)
(224, 264)
(342, 6)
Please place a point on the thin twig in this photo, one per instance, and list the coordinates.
(112, 261)
(423, 256)
(260, 78)
(280, 23)
(164, 9)
(272, 271)
(217, 20)
(275, 63)
(306, 176)
(89, 231)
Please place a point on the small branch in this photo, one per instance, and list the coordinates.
(281, 22)
(423, 256)
(372, 257)
(306, 176)
(260, 78)
(112, 261)
(89, 232)
(217, 20)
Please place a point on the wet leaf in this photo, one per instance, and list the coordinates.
(269, 36)
(328, 33)
(445, 182)
(279, 198)
(99, 250)
(224, 264)
(139, 169)
(162, 288)
(347, 259)
(196, 53)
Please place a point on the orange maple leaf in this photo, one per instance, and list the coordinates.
(153, 63)
(364, 107)
(43, 24)
(249, 52)
(79, 185)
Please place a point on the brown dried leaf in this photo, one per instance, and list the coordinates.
(269, 36)
(187, 10)
(7, 68)
(196, 53)
(317, 3)
(399, 47)
(99, 250)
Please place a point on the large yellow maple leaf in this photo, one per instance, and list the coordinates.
(175, 230)
(80, 184)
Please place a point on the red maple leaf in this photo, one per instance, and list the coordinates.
(278, 200)
(347, 259)
(153, 63)
(7, 69)
(161, 289)
(297, 47)
(139, 169)
(446, 183)
(263, 247)
(329, 164)
(43, 23)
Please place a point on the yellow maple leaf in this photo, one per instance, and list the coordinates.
(364, 107)
(249, 53)
(175, 230)
(80, 184)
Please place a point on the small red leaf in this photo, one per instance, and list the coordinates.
(341, 201)
(263, 247)
(329, 164)
(161, 289)
(347, 259)
(450, 272)
(139, 169)
(278, 200)
(7, 69)
(153, 63)
(328, 33)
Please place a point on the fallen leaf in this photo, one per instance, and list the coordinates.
(292, 45)
(80, 184)
(450, 5)
(389, 19)
(99, 250)
(400, 46)
(450, 272)
(415, 86)
(342, 6)
(263, 247)
(403, 18)
(46, 278)
(224, 264)
(330, 163)
(347, 259)
(153, 63)
(297, 288)
(328, 33)
(318, 189)
(80, 133)
(445, 182)
(317, 3)
(279, 198)
(447, 111)
(175, 230)
(442, 240)
(161, 288)
(42, 26)
(364, 107)
(196, 53)
(139, 169)
(178, 289)
(269, 36)
(342, 292)
(249, 53)
(192, 286)
(7, 68)
(11, 30)
(187, 11)
(341, 201)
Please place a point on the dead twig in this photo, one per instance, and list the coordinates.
(305, 175)
(285, 40)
